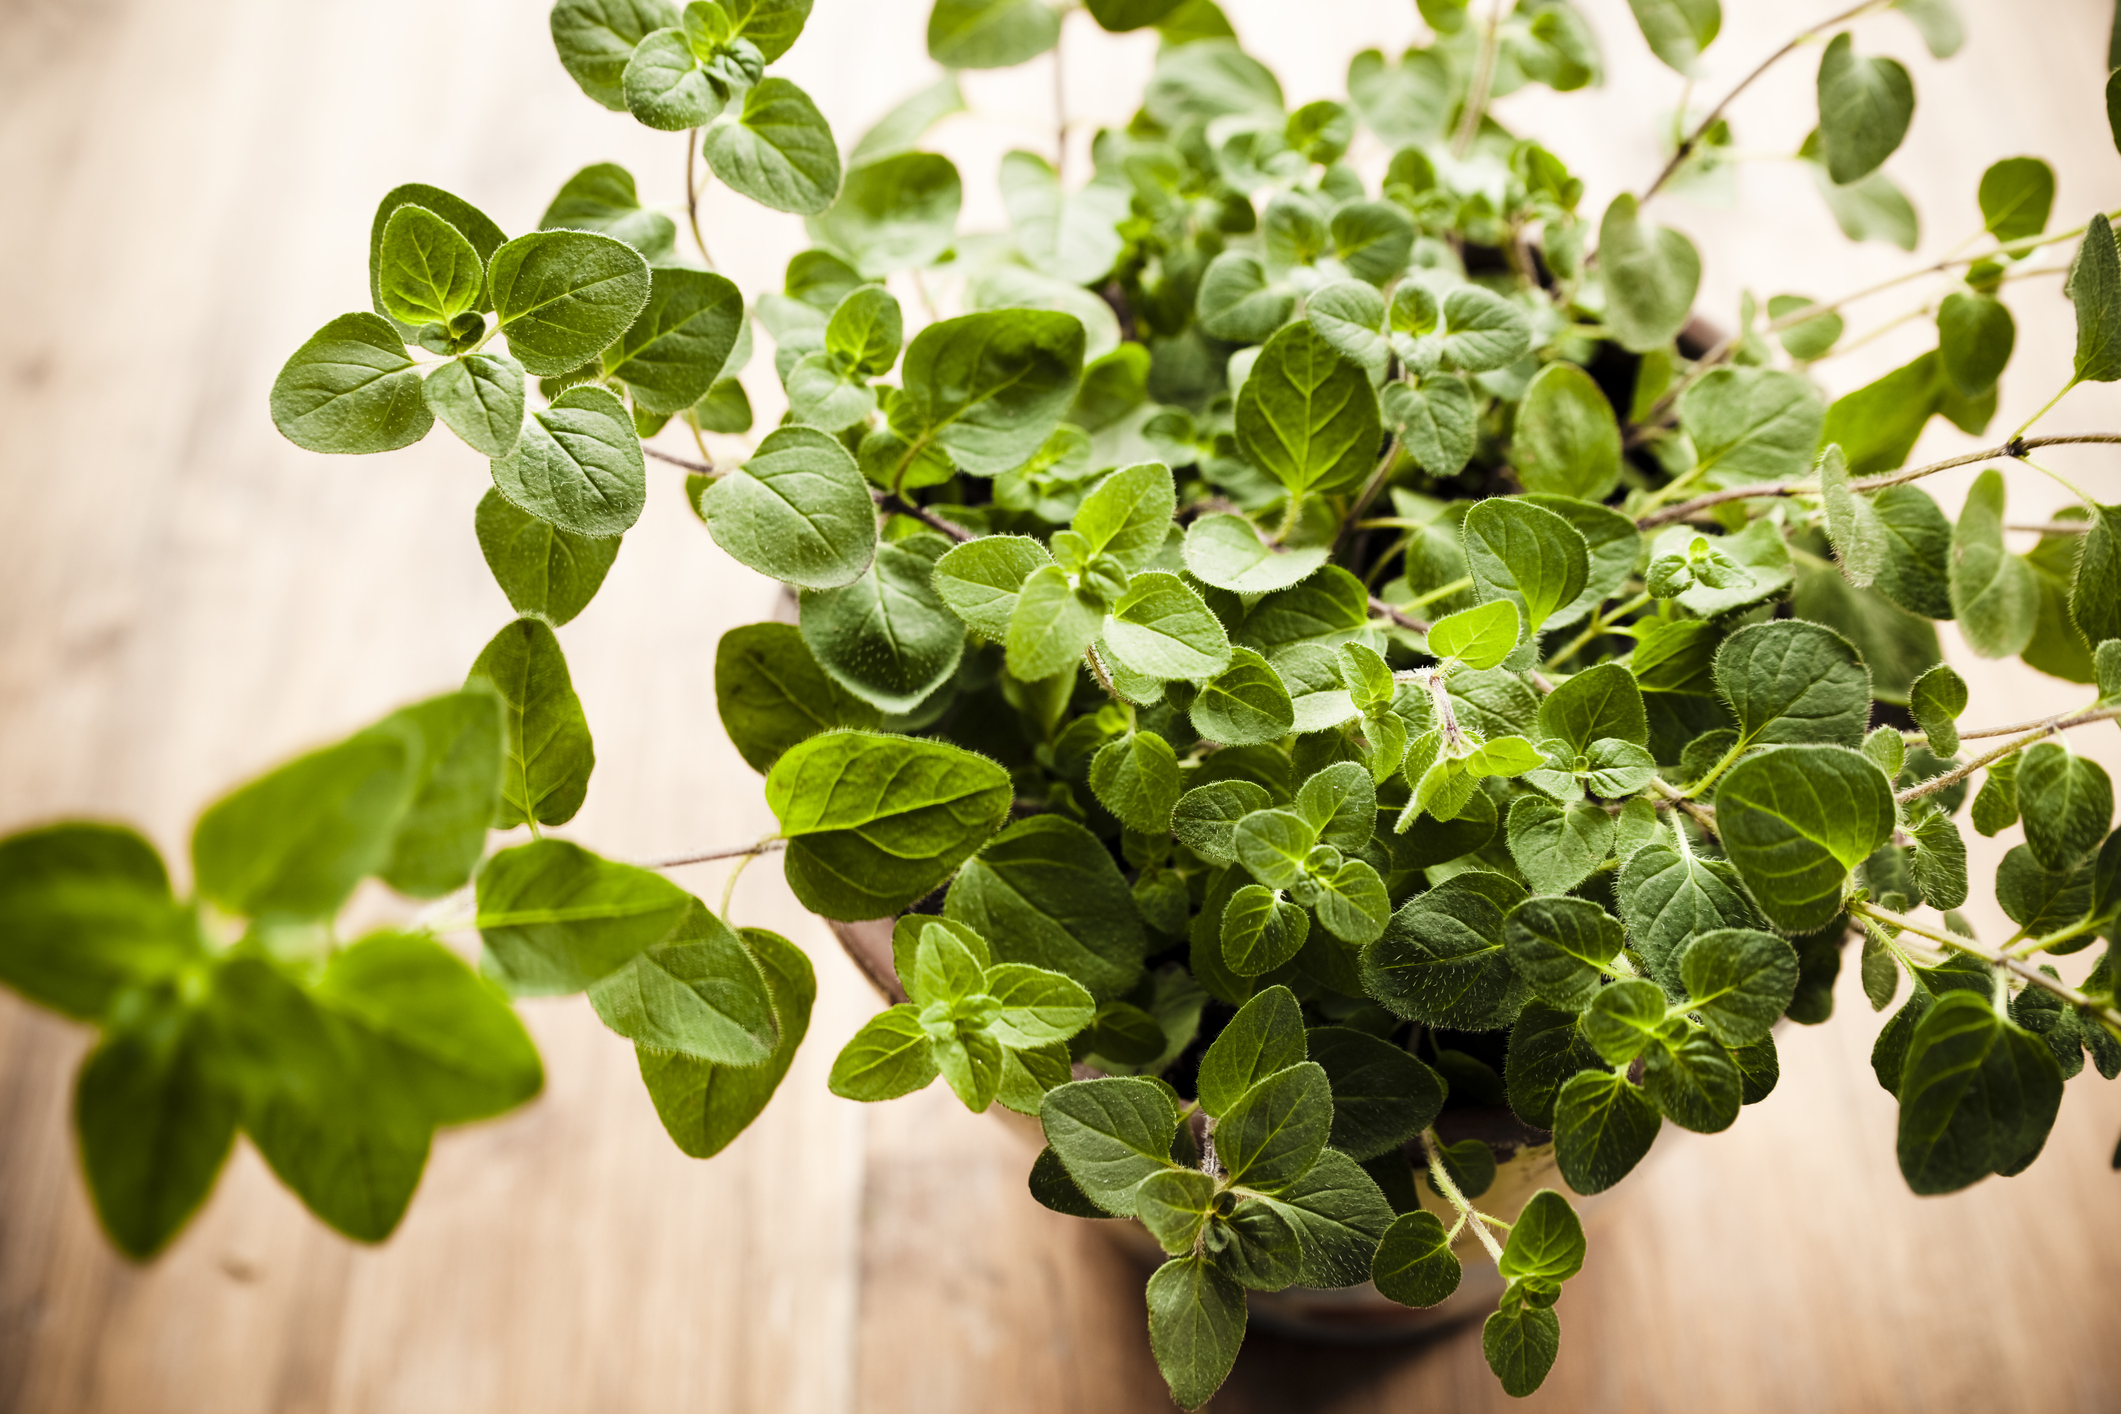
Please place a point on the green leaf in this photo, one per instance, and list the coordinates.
(799, 511)
(1739, 982)
(1567, 440)
(1602, 1128)
(1562, 947)
(578, 465)
(1306, 416)
(671, 354)
(549, 752)
(1037, 1007)
(155, 1124)
(1414, 1264)
(1128, 515)
(989, 388)
(901, 130)
(1678, 30)
(1246, 704)
(1790, 682)
(665, 85)
(1371, 238)
(601, 197)
(1028, 1074)
(1865, 106)
(1205, 820)
(1527, 555)
(1558, 846)
(1196, 1322)
(1051, 626)
(1136, 777)
(907, 934)
(889, 1057)
(1339, 804)
(1256, 1246)
(1404, 103)
(1666, 897)
(1546, 1242)
(1353, 905)
(469, 222)
(1483, 331)
(1070, 235)
(293, 843)
(696, 992)
(1695, 1083)
(456, 790)
(1265, 1038)
(897, 213)
(875, 822)
(563, 296)
(1939, 860)
(1994, 594)
(772, 694)
(1859, 536)
(596, 38)
(1521, 1342)
(771, 25)
(429, 272)
(705, 1106)
(1978, 1096)
(555, 917)
(887, 637)
(351, 389)
(1274, 1133)
(1437, 423)
(1546, 1048)
(1480, 637)
(1119, 16)
(1326, 610)
(1441, 960)
(1046, 892)
(2067, 802)
(1382, 1097)
(479, 397)
(1226, 552)
(1174, 1204)
(1261, 931)
(1163, 630)
(1810, 338)
(1937, 22)
(1626, 1019)
(1601, 702)
(86, 916)
(990, 34)
(2095, 594)
(543, 569)
(1975, 335)
(1111, 1133)
(779, 151)
(1752, 424)
(1339, 1216)
(1796, 820)
(981, 579)
(2095, 289)
(1239, 300)
(1651, 275)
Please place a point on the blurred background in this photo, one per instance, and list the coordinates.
(185, 599)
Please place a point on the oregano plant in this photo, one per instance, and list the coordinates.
(1305, 648)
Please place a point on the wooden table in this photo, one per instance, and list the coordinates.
(188, 599)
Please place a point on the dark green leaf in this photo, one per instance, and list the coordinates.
(1865, 106)
(1526, 554)
(1567, 440)
(1441, 960)
(1602, 1128)
(704, 1106)
(1546, 1048)
(1557, 846)
(1382, 1097)
(549, 752)
(772, 694)
(1561, 947)
(1521, 1342)
(1306, 416)
(1739, 982)
(2095, 289)
(1696, 1084)
(1196, 1324)
(988, 389)
(578, 465)
(564, 295)
(1339, 1215)
(1046, 892)
(887, 637)
(1265, 1037)
(86, 915)
(1206, 817)
(1974, 338)
(1978, 1096)
(155, 1125)
(1137, 778)
(1792, 682)
(779, 151)
(1414, 1264)
(1752, 424)
(1261, 931)
(2067, 802)
(1111, 1133)
(677, 346)
(351, 389)
(1796, 820)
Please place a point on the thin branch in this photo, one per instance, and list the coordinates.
(698, 468)
(693, 192)
(2024, 969)
(1379, 606)
(1440, 1180)
(1369, 493)
(2015, 449)
(735, 851)
(2050, 527)
(904, 507)
(1483, 82)
(1703, 815)
(1693, 139)
(2041, 729)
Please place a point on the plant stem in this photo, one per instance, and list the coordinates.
(1379, 606)
(2090, 714)
(2024, 969)
(1104, 679)
(2045, 409)
(1599, 623)
(1369, 493)
(1483, 80)
(1060, 107)
(1703, 815)
(2015, 449)
(1440, 1177)
(1693, 139)
(2041, 729)
(891, 501)
(700, 468)
(694, 190)
(764, 846)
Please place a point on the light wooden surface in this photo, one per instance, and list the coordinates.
(185, 598)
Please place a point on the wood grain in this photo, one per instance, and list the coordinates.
(188, 598)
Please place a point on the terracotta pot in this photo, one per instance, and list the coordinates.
(1524, 1164)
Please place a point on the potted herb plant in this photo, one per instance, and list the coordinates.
(1319, 683)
